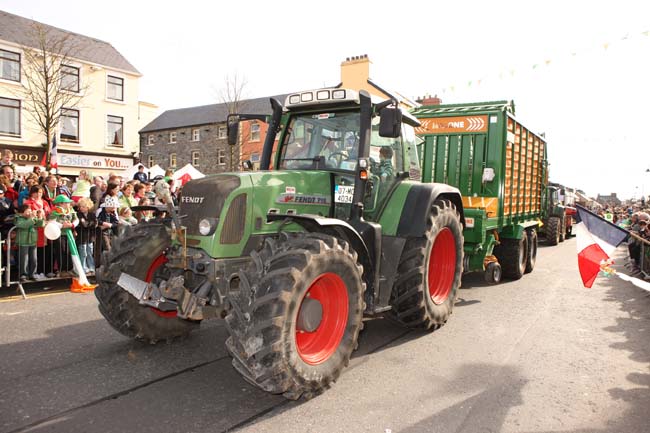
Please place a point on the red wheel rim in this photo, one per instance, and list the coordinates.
(442, 266)
(160, 260)
(316, 347)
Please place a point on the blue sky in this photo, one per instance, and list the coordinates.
(578, 71)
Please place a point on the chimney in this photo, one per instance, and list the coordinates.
(428, 100)
(355, 71)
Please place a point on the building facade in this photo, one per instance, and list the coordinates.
(98, 131)
(198, 135)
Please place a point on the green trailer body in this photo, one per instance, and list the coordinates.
(499, 166)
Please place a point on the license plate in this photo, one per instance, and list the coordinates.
(343, 194)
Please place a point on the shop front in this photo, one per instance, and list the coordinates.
(26, 158)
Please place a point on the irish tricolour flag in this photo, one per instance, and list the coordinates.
(596, 240)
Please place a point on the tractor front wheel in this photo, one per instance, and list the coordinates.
(297, 316)
(138, 252)
(429, 271)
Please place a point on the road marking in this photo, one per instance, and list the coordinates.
(36, 295)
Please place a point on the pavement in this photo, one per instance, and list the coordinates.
(541, 354)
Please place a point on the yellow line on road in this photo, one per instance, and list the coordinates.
(35, 295)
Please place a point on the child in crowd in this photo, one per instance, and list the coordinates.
(63, 214)
(86, 234)
(81, 187)
(108, 221)
(126, 217)
(26, 223)
(143, 215)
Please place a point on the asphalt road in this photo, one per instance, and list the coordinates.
(541, 354)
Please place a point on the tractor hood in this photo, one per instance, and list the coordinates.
(236, 205)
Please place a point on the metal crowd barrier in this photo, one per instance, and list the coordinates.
(53, 261)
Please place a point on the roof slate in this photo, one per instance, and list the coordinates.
(16, 29)
(207, 114)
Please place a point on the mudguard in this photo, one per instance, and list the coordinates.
(419, 200)
(339, 228)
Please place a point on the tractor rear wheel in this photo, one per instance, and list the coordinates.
(429, 271)
(552, 231)
(297, 316)
(531, 258)
(138, 252)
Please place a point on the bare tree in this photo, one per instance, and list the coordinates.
(47, 85)
(232, 94)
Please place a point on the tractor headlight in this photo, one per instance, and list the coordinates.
(205, 227)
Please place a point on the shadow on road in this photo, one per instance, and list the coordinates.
(87, 378)
(485, 410)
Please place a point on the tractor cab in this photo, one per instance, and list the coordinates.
(368, 145)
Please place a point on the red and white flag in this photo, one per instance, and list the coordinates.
(53, 158)
(597, 239)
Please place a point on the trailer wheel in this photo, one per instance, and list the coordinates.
(552, 231)
(139, 252)
(493, 273)
(512, 255)
(429, 271)
(531, 258)
(296, 320)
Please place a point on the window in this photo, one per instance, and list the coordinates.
(10, 117)
(115, 131)
(255, 157)
(172, 137)
(172, 160)
(9, 65)
(223, 132)
(222, 157)
(115, 88)
(196, 134)
(150, 161)
(70, 78)
(151, 139)
(255, 131)
(69, 122)
(196, 156)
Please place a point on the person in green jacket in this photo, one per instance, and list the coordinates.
(26, 223)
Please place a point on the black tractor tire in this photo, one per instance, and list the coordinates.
(552, 230)
(493, 273)
(139, 252)
(512, 255)
(429, 272)
(531, 258)
(562, 230)
(268, 348)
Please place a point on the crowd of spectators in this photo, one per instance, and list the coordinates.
(635, 219)
(100, 206)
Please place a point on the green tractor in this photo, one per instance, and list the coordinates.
(293, 258)
(555, 217)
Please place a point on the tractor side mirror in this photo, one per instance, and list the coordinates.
(233, 129)
(390, 122)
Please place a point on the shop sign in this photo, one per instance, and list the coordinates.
(27, 157)
(94, 161)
